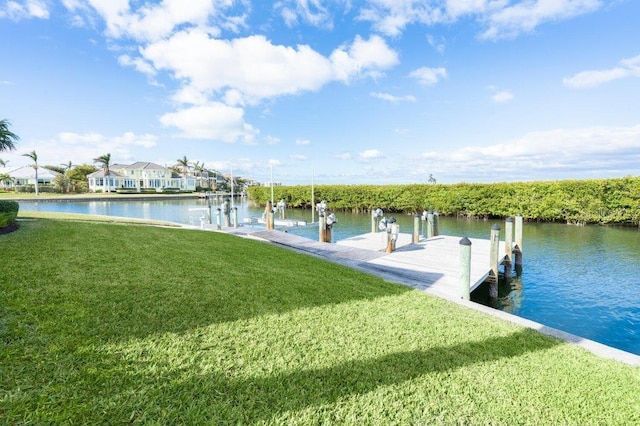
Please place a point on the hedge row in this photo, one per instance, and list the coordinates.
(8, 212)
(611, 201)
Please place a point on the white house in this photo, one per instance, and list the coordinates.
(26, 175)
(139, 177)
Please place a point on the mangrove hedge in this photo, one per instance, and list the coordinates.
(606, 201)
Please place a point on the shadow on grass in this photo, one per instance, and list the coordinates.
(120, 282)
(261, 399)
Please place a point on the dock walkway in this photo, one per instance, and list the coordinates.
(431, 265)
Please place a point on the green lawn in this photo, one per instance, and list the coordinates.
(104, 323)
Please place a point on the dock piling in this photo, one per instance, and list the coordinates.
(465, 268)
(235, 217)
(322, 228)
(493, 260)
(269, 216)
(430, 227)
(219, 218)
(518, 247)
(508, 247)
(416, 229)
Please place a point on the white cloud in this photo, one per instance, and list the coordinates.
(271, 140)
(429, 76)
(303, 142)
(82, 148)
(627, 68)
(298, 157)
(525, 16)
(391, 98)
(253, 65)
(147, 22)
(213, 121)
(502, 96)
(363, 57)
(127, 139)
(344, 156)
(439, 46)
(138, 64)
(371, 154)
(498, 18)
(587, 150)
(309, 11)
(25, 9)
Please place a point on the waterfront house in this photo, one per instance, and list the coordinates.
(140, 177)
(26, 176)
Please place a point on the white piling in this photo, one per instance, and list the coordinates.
(465, 268)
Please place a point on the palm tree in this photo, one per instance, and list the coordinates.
(104, 161)
(432, 180)
(7, 138)
(198, 169)
(3, 163)
(184, 163)
(67, 166)
(4, 177)
(34, 157)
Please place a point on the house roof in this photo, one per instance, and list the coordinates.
(100, 173)
(138, 165)
(28, 172)
(141, 165)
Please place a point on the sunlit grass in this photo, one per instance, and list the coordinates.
(80, 217)
(116, 323)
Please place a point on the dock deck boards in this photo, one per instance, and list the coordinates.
(432, 265)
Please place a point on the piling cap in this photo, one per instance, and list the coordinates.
(465, 241)
(495, 227)
(509, 219)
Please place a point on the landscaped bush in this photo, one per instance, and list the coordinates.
(608, 201)
(8, 212)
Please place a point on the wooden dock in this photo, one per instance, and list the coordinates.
(431, 265)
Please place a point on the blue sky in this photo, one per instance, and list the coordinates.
(372, 91)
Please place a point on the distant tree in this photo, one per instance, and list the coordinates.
(5, 178)
(56, 169)
(78, 176)
(184, 163)
(61, 180)
(3, 163)
(67, 166)
(34, 157)
(198, 169)
(8, 139)
(62, 183)
(105, 162)
(431, 180)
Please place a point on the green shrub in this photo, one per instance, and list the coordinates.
(605, 201)
(8, 212)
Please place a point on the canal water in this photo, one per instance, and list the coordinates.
(583, 280)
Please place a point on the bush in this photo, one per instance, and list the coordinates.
(8, 212)
(606, 201)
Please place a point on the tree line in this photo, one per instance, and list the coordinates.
(592, 201)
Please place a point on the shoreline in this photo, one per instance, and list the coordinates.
(102, 197)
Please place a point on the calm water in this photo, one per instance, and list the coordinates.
(583, 280)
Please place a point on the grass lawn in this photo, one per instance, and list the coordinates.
(120, 323)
